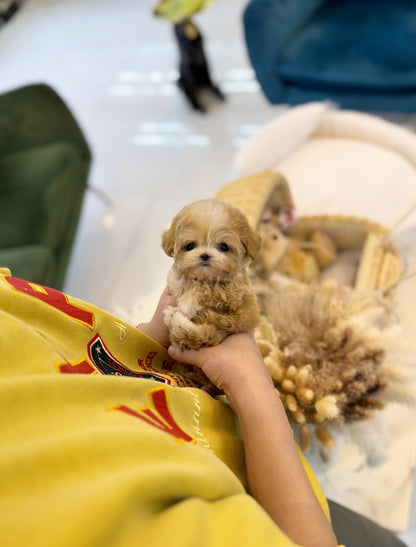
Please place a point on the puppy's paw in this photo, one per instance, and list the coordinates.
(182, 332)
(179, 321)
(179, 327)
(187, 335)
(188, 305)
(168, 314)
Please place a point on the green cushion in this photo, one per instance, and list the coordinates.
(35, 115)
(36, 194)
(5, 133)
(32, 262)
(44, 165)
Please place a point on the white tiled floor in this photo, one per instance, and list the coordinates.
(115, 65)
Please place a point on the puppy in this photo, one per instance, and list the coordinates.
(212, 244)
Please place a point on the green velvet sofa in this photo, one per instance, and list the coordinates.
(44, 166)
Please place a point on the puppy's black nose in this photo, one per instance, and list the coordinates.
(204, 258)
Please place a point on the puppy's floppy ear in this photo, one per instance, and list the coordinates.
(251, 241)
(248, 236)
(168, 239)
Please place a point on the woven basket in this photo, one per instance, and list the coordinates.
(379, 266)
(320, 400)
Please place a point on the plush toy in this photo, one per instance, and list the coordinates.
(298, 258)
(273, 246)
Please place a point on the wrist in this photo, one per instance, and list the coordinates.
(255, 396)
(156, 334)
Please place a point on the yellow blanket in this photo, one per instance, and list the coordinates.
(104, 441)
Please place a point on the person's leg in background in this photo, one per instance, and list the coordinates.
(194, 75)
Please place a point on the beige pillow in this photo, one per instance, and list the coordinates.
(369, 128)
(352, 177)
(280, 137)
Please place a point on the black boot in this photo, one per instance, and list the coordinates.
(193, 67)
(8, 10)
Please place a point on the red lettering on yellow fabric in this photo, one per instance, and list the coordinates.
(161, 417)
(79, 367)
(54, 298)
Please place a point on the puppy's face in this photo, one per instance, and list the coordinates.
(210, 240)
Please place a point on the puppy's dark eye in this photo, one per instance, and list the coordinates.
(223, 247)
(190, 246)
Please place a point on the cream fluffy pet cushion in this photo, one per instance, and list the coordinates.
(360, 165)
(279, 138)
(345, 176)
(337, 162)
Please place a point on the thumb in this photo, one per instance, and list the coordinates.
(185, 356)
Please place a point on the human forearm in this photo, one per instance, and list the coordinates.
(275, 473)
(156, 328)
(276, 476)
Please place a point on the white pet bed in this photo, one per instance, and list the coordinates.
(337, 162)
(349, 163)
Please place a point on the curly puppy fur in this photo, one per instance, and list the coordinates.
(212, 245)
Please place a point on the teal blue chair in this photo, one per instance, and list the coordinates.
(360, 54)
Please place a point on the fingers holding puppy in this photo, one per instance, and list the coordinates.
(234, 366)
(156, 328)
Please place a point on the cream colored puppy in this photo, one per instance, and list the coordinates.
(212, 244)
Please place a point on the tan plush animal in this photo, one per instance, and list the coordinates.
(273, 247)
(212, 245)
(297, 258)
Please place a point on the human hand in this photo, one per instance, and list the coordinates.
(235, 366)
(156, 327)
(276, 477)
